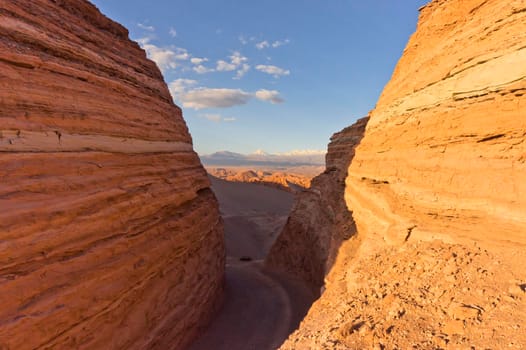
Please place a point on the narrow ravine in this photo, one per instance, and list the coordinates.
(261, 307)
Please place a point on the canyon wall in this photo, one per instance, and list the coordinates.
(110, 237)
(437, 191)
(319, 221)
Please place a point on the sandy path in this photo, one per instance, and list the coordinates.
(261, 307)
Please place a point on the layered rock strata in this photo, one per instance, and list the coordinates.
(438, 196)
(109, 235)
(319, 221)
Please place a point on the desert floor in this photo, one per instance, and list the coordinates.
(261, 307)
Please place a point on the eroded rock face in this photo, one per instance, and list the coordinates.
(448, 133)
(319, 220)
(437, 192)
(109, 235)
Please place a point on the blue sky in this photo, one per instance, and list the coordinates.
(272, 75)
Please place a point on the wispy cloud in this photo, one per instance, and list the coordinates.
(179, 86)
(237, 62)
(202, 98)
(223, 66)
(200, 69)
(271, 96)
(242, 71)
(266, 44)
(166, 57)
(216, 117)
(237, 58)
(279, 43)
(276, 72)
(184, 91)
(261, 45)
(172, 32)
(198, 60)
(146, 27)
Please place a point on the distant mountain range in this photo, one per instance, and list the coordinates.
(261, 158)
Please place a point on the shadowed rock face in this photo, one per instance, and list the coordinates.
(319, 221)
(109, 235)
(438, 194)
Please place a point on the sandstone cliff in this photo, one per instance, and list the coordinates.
(438, 193)
(109, 235)
(319, 221)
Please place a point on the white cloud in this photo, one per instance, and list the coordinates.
(272, 70)
(146, 27)
(214, 98)
(190, 96)
(178, 87)
(172, 32)
(200, 69)
(262, 45)
(198, 60)
(279, 43)
(241, 72)
(237, 58)
(212, 117)
(165, 57)
(237, 62)
(216, 118)
(224, 66)
(271, 96)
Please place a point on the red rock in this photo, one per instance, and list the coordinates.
(110, 236)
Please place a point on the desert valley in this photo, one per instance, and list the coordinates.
(116, 234)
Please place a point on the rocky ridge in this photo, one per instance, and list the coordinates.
(319, 221)
(110, 235)
(282, 180)
(437, 195)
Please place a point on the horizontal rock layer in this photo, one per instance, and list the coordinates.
(109, 235)
(444, 152)
(438, 196)
(319, 220)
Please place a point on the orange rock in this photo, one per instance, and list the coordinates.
(109, 235)
(438, 179)
(319, 221)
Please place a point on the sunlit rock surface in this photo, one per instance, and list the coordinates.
(109, 235)
(438, 193)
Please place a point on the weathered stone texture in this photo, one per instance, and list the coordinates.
(109, 235)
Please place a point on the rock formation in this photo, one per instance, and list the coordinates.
(438, 194)
(109, 235)
(282, 180)
(319, 221)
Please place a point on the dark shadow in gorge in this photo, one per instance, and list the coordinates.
(262, 306)
(320, 221)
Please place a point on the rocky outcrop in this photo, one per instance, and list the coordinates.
(446, 141)
(109, 235)
(278, 179)
(438, 196)
(319, 221)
